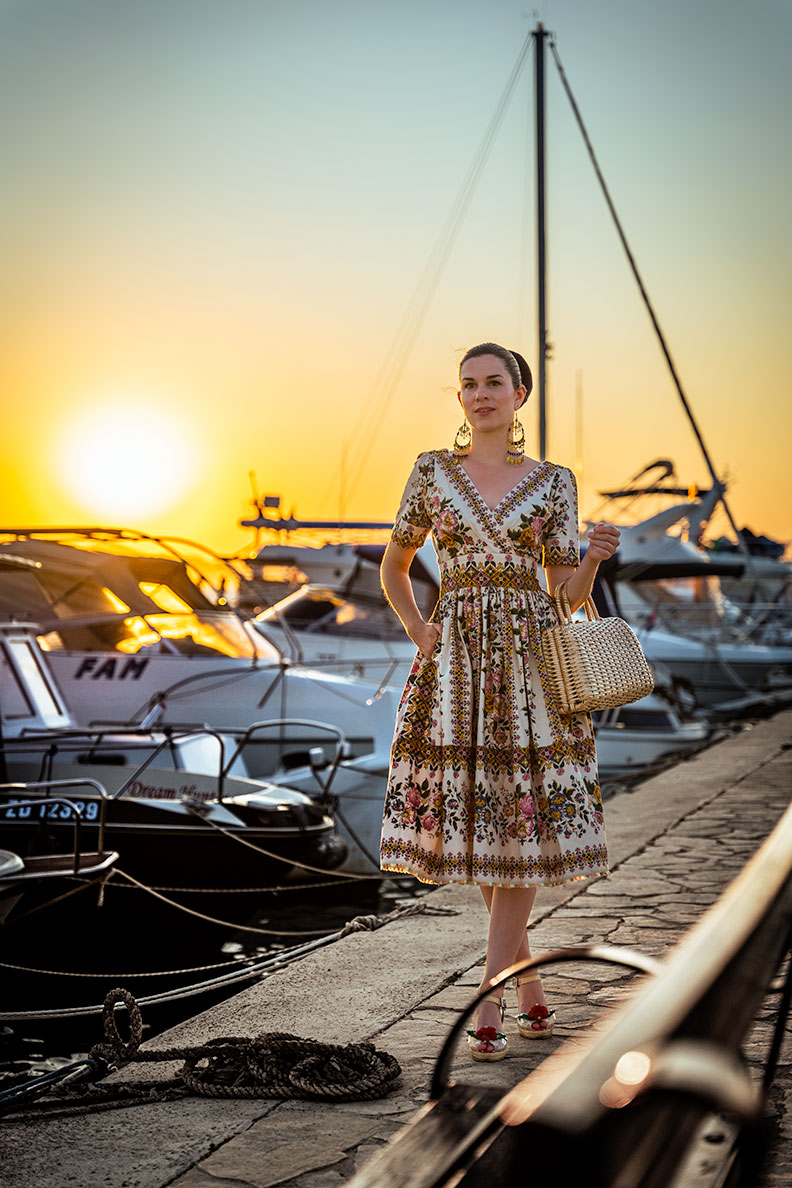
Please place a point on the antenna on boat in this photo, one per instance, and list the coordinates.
(539, 36)
(342, 483)
(256, 504)
(579, 428)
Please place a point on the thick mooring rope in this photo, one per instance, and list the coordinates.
(272, 1064)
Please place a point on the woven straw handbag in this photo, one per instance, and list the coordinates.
(593, 664)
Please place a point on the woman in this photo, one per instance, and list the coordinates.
(488, 783)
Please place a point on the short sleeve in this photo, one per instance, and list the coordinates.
(561, 538)
(413, 521)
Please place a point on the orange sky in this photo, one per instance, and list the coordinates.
(215, 217)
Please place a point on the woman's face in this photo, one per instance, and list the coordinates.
(487, 393)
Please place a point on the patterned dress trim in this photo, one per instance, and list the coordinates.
(505, 575)
(458, 758)
(405, 857)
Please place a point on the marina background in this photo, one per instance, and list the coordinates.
(216, 215)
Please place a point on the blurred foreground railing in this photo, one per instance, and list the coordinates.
(622, 1109)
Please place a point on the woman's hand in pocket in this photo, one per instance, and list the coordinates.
(425, 637)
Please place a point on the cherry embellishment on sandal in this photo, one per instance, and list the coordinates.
(530, 1022)
(487, 1043)
(494, 1041)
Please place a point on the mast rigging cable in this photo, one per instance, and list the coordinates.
(642, 289)
(399, 351)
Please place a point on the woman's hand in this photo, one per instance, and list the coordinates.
(425, 636)
(603, 541)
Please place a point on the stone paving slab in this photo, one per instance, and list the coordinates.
(676, 843)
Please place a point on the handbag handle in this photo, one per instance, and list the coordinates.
(564, 609)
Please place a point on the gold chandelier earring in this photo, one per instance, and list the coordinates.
(515, 442)
(463, 440)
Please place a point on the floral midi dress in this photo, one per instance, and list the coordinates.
(488, 783)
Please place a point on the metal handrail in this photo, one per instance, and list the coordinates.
(77, 782)
(612, 954)
(168, 741)
(682, 1031)
(278, 723)
(710, 990)
(95, 736)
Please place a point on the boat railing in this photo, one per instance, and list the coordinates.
(224, 767)
(246, 736)
(112, 739)
(752, 623)
(98, 738)
(171, 737)
(76, 810)
(766, 622)
(292, 637)
(628, 1103)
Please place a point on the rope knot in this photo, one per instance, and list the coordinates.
(361, 924)
(117, 1050)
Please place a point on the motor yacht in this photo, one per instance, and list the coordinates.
(135, 635)
(179, 807)
(669, 591)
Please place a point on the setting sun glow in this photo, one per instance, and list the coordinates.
(125, 459)
(210, 271)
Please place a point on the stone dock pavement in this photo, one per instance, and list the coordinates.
(676, 842)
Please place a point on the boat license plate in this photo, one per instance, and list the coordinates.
(48, 810)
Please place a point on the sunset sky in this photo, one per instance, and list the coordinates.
(215, 215)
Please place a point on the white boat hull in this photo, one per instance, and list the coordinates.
(104, 688)
(719, 672)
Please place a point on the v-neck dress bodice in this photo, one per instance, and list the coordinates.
(488, 782)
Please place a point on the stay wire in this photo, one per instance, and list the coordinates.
(642, 289)
(398, 353)
(436, 266)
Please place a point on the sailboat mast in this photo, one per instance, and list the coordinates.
(541, 263)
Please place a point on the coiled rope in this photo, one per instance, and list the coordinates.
(272, 1064)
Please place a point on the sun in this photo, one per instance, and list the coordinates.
(127, 458)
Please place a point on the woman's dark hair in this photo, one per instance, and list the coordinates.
(518, 369)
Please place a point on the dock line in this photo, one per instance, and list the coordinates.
(266, 967)
(339, 874)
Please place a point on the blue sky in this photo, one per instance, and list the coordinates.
(218, 212)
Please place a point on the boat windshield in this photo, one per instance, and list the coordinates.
(204, 633)
(321, 612)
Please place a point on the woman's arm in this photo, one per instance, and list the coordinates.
(603, 543)
(395, 577)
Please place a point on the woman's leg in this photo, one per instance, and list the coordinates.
(523, 952)
(509, 909)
